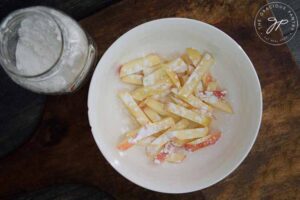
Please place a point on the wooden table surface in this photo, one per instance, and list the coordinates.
(63, 150)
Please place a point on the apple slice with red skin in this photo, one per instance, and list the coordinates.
(203, 142)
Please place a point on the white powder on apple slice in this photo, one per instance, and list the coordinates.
(178, 65)
(150, 129)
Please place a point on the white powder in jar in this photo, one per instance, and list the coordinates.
(39, 45)
(52, 42)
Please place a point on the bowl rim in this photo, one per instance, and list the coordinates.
(210, 183)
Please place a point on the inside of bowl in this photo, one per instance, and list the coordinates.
(110, 119)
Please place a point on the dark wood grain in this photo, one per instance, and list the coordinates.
(76, 8)
(66, 192)
(294, 44)
(63, 149)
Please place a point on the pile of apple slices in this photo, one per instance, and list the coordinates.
(173, 104)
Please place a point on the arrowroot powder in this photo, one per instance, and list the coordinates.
(47, 51)
(39, 45)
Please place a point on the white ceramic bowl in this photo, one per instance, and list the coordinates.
(233, 69)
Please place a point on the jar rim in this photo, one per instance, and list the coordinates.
(8, 22)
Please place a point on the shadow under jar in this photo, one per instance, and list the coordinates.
(45, 51)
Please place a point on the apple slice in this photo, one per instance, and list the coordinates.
(187, 134)
(150, 129)
(195, 77)
(161, 156)
(177, 65)
(157, 144)
(142, 104)
(165, 137)
(170, 153)
(206, 79)
(183, 79)
(156, 106)
(124, 145)
(159, 108)
(149, 70)
(173, 76)
(146, 141)
(135, 79)
(188, 114)
(199, 88)
(212, 86)
(176, 157)
(190, 70)
(137, 65)
(137, 135)
(203, 142)
(222, 105)
(162, 97)
(179, 143)
(132, 134)
(154, 77)
(214, 100)
(133, 108)
(179, 101)
(153, 116)
(143, 92)
(186, 59)
(194, 55)
(193, 101)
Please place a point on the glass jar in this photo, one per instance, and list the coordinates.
(45, 51)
